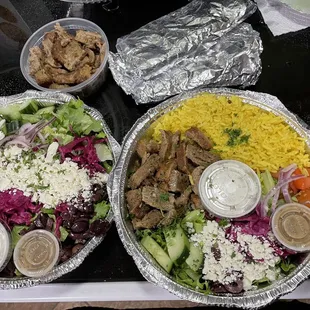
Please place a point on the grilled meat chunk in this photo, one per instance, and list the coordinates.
(63, 35)
(157, 198)
(174, 144)
(182, 161)
(61, 76)
(150, 220)
(165, 169)
(168, 217)
(91, 40)
(70, 55)
(134, 198)
(178, 181)
(199, 137)
(200, 156)
(184, 198)
(196, 174)
(166, 143)
(147, 169)
(42, 77)
(197, 204)
(35, 59)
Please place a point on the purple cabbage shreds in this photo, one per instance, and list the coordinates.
(82, 151)
(253, 225)
(16, 208)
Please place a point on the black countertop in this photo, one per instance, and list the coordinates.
(286, 70)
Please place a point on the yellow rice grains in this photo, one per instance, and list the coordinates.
(239, 131)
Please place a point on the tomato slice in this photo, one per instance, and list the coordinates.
(303, 183)
(304, 197)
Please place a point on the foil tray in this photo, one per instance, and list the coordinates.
(148, 267)
(76, 260)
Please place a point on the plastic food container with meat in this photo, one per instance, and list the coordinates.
(68, 51)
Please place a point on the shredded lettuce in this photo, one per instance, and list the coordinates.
(188, 277)
(73, 115)
(63, 234)
(15, 233)
(101, 210)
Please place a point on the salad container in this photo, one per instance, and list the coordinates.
(70, 24)
(147, 265)
(77, 259)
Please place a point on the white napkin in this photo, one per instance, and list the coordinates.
(283, 16)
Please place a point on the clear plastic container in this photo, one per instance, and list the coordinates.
(83, 89)
(5, 245)
(290, 224)
(36, 253)
(229, 189)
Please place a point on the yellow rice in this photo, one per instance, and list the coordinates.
(272, 143)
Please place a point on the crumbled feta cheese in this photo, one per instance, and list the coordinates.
(234, 262)
(48, 182)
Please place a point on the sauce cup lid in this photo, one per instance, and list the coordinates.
(229, 188)
(36, 253)
(290, 224)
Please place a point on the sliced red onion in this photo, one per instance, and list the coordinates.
(292, 167)
(278, 187)
(41, 137)
(6, 139)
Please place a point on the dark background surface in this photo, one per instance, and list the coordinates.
(286, 71)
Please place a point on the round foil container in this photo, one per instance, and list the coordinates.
(291, 226)
(229, 188)
(76, 260)
(148, 267)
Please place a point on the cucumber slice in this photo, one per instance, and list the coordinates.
(195, 258)
(198, 227)
(157, 252)
(46, 110)
(103, 152)
(12, 126)
(28, 107)
(177, 244)
(30, 118)
(3, 126)
(10, 112)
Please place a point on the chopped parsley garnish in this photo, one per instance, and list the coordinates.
(164, 197)
(235, 136)
(233, 254)
(223, 222)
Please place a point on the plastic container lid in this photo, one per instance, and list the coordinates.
(5, 245)
(291, 226)
(36, 253)
(229, 188)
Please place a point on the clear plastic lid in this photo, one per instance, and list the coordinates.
(290, 224)
(5, 245)
(229, 188)
(36, 253)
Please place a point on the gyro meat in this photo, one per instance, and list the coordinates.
(74, 60)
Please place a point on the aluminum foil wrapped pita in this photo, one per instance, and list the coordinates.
(76, 260)
(203, 43)
(147, 265)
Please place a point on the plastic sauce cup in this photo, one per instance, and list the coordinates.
(229, 189)
(290, 225)
(5, 245)
(36, 253)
